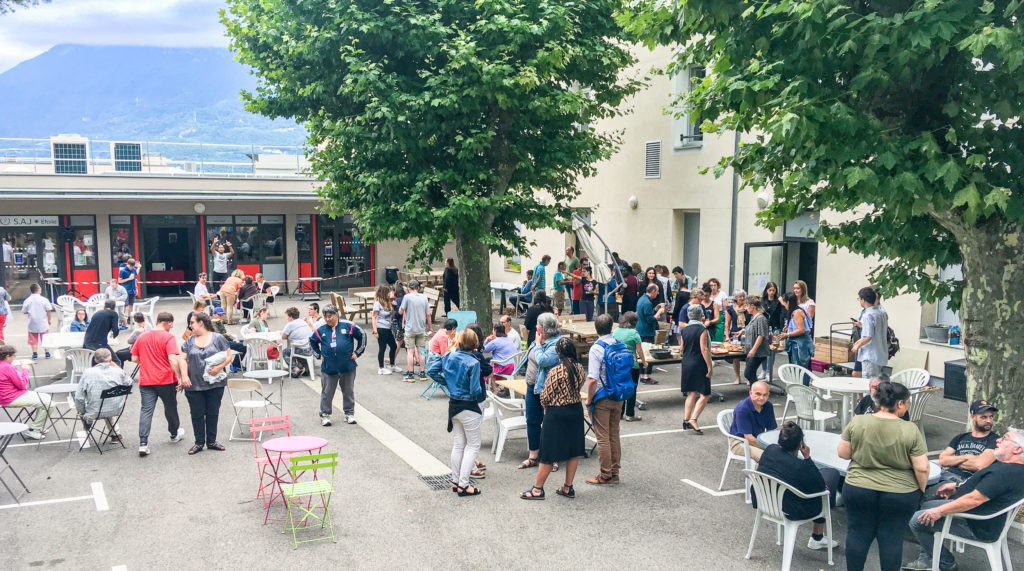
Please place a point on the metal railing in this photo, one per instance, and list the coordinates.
(35, 156)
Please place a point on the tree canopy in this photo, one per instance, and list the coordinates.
(902, 114)
(9, 5)
(436, 120)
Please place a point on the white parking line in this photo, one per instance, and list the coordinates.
(98, 497)
(962, 421)
(410, 452)
(711, 492)
(119, 568)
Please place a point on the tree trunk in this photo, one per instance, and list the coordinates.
(992, 316)
(474, 278)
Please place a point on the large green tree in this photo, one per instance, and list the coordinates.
(901, 114)
(9, 5)
(441, 120)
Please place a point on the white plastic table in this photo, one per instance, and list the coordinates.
(847, 387)
(824, 446)
(268, 376)
(64, 340)
(503, 288)
(9, 430)
(55, 390)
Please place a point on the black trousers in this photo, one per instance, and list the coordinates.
(385, 340)
(450, 297)
(631, 401)
(877, 516)
(750, 370)
(204, 407)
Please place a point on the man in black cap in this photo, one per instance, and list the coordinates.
(971, 451)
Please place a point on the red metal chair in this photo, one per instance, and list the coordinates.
(257, 426)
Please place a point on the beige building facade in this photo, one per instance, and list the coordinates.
(651, 205)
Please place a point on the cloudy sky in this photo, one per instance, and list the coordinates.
(28, 32)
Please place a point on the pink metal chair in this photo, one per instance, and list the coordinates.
(257, 426)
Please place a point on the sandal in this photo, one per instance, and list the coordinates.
(481, 466)
(528, 463)
(478, 474)
(695, 428)
(466, 491)
(215, 446)
(195, 449)
(566, 491)
(531, 495)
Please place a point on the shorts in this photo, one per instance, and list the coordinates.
(857, 367)
(35, 338)
(131, 300)
(416, 340)
(870, 370)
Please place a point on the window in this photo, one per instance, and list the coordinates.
(127, 157)
(122, 238)
(944, 315)
(686, 122)
(83, 248)
(69, 158)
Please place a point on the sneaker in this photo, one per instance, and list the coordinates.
(761, 375)
(179, 436)
(822, 543)
(35, 434)
(35, 355)
(632, 418)
(350, 419)
(383, 371)
(924, 562)
(395, 369)
(649, 381)
(144, 450)
(325, 421)
(424, 377)
(233, 368)
(641, 405)
(123, 328)
(409, 377)
(47, 354)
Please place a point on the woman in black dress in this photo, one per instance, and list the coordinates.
(561, 436)
(450, 283)
(696, 367)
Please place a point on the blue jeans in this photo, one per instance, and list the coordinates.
(925, 534)
(575, 307)
(534, 418)
(587, 307)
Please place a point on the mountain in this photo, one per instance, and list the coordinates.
(130, 93)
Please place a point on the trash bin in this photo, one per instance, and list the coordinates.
(391, 274)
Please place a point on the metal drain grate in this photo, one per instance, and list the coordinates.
(441, 482)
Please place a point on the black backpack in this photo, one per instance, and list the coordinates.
(892, 342)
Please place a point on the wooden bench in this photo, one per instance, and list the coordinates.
(434, 297)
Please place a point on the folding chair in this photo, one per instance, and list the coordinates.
(24, 415)
(433, 386)
(296, 492)
(252, 401)
(109, 426)
(257, 427)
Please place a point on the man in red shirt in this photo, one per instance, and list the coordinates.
(577, 285)
(155, 351)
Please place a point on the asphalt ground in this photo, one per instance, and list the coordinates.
(174, 511)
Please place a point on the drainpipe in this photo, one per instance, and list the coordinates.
(732, 233)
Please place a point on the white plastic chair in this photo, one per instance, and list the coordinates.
(997, 551)
(791, 374)
(724, 424)
(79, 360)
(912, 378)
(274, 291)
(256, 354)
(516, 360)
(259, 301)
(915, 408)
(808, 403)
(509, 416)
(247, 392)
(148, 308)
(309, 359)
(769, 492)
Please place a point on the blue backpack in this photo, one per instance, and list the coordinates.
(618, 366)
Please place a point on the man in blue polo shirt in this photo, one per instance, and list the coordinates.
(750, 418)
(339, 342)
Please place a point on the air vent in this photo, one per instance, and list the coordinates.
(69, 158)
(127, 156)
(652, 159)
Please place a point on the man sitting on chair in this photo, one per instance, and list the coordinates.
(781, 462)
(525, 296)
(986, 492)
(750, 418)
(971, 451)
(866, 405)
(96, 379)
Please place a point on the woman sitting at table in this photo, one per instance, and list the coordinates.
(886, 479)
(562, 434)
(501, 348)
(245, 293)
(259, 322)
(264, 286)
(81, 322)
(695, 367)
(782, 462)
(460, 372)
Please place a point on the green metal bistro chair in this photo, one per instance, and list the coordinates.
(299, 496)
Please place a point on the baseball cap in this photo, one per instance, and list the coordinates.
(415, 284)
(218, 310)
(980, 406)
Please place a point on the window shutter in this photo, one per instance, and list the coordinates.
(652, 159)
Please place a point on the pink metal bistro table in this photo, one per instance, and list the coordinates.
(276, 448)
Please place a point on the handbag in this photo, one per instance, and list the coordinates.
(273, 352)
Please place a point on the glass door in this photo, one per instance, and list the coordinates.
(763, 263)
(30, 256)
(344, 259)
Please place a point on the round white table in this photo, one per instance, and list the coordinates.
(847, 387)
(268, 376)
(504, 288)
(9, 430)
(266, 336)
(64, 340)
(54, 390)
(824, 446)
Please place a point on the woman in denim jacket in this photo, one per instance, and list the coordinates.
(540, 358)
(460, 371)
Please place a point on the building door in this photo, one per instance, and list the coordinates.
(762, 263)
(344, 260)
(691, 245)
(170, 247)
(30, 256)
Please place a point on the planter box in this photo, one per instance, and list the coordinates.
(838, 352)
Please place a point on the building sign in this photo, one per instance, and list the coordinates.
(249, 220)
(272, 219)
(7, 220)
(122, 219)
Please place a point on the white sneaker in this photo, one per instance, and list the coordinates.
(179, 436)
(325, 421)
(395, 369)
(761, 375)
(144, 450)
(383, 371)
(34, 434)
(350, 419)
(820, 543)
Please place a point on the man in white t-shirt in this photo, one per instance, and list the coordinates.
(415, 311)
(38, 309)
(510, 331)
(297, 332)
(8, 252)
(201, 292)
(222, 252)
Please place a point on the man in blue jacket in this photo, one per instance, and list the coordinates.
(339, 343)
(647, 326)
